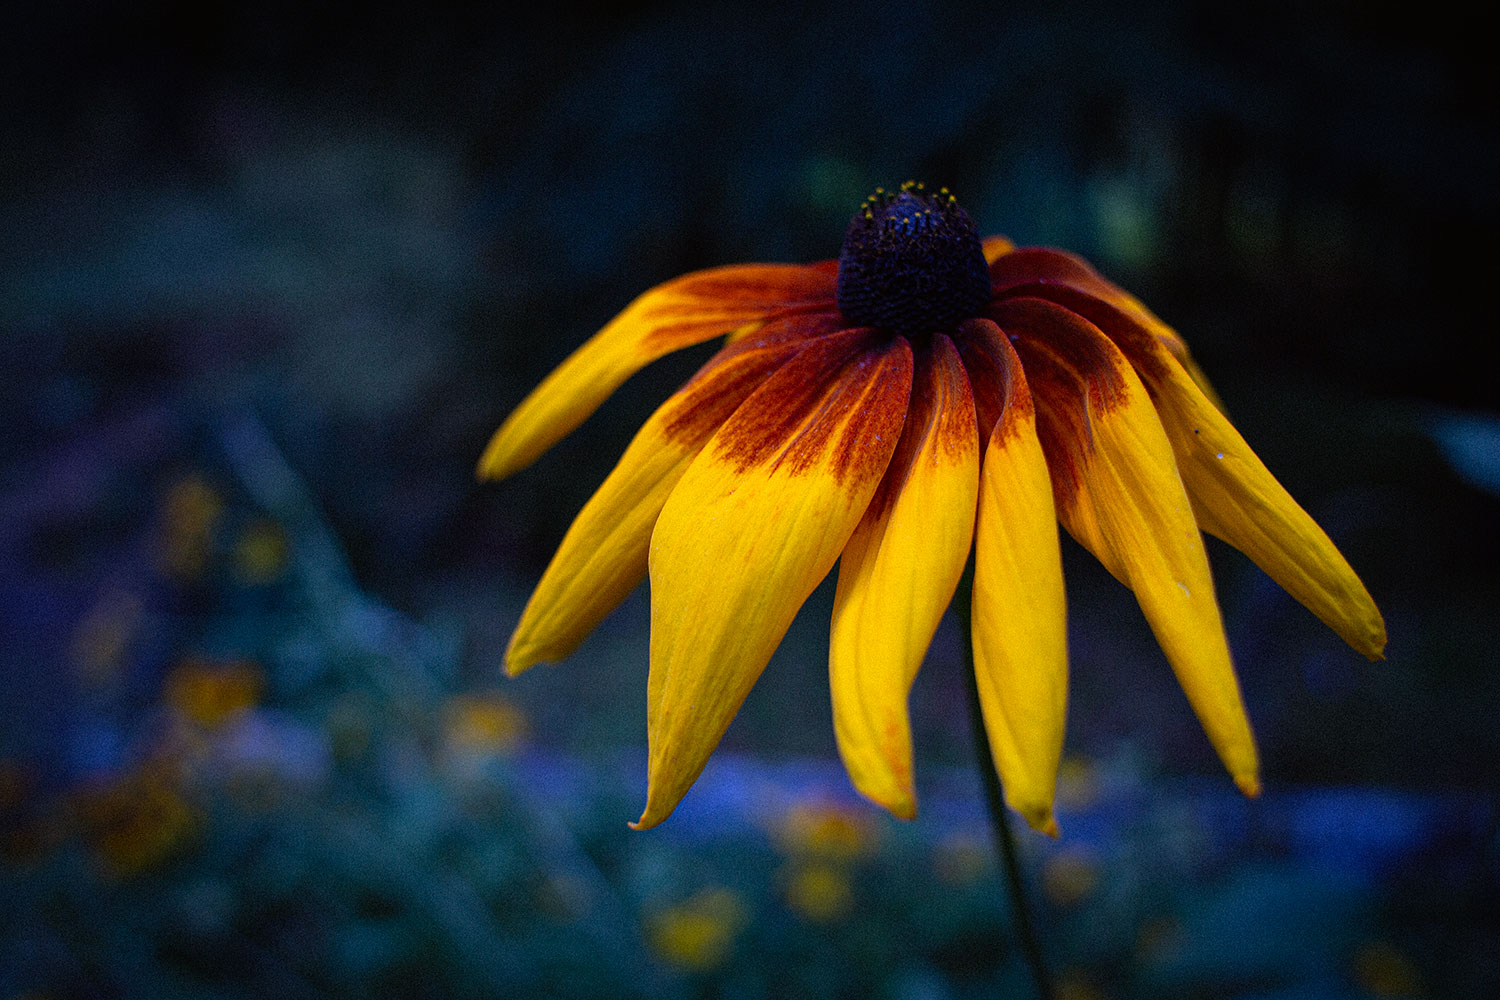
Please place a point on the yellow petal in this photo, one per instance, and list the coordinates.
(897, 575)
(682, 312)
(755, 523)
(1118, 492)
(1237, 499)
(995, 247)
(603, 555)
(1019, 613)
(1234, 495)
(1051, 274)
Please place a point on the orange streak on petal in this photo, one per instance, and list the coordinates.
(708, 399)
(1019, 608)
(728, 297)
(756, 522)
(1037, 270)
(682, 312)
(1085, 377)
(897, 575)
(603, 556)
(1234, 495)
(1130, 509)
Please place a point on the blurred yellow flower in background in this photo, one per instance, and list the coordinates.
(820, 892)
(697, 935)
(1382, 970)
(483, 724)
(827, 831)
(1070, 876)
(190, 515)
(260, 551)
(210, 694)
(137, 821)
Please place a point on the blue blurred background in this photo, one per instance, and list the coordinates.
(269, 276)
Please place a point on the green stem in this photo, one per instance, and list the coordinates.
(994, 796)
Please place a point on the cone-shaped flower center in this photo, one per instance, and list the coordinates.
(911, 263)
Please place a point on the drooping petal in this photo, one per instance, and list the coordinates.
(995, 246)
(755, 523)
(1040, 271)
(1019, 613)
(677, 314)
(897, 575)
(1234, 495)
(1118, 492)
(603, 555)
(1236, 498)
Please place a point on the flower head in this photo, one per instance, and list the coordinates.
(925, 395)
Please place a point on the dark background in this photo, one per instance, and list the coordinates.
(269, 276)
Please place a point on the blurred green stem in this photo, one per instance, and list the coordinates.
(1005, 839)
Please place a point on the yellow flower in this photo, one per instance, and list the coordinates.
(1385, 972)
(1070, 877)
(820, 892)
(927, 393)
(260, 552)
(190, 516)
(479, 725)
(212, 694)
(138, 821)
(826, 831)
(698, 934)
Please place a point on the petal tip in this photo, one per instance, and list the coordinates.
(519, 658)
(1040, 819)
(651, 816)
(498, 460)
(894, 796)
(1036, 811)
(1374, 647)
(1249, 784)
(658, 805)
(903, 807)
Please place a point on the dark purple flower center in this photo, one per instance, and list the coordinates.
(911, 263)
